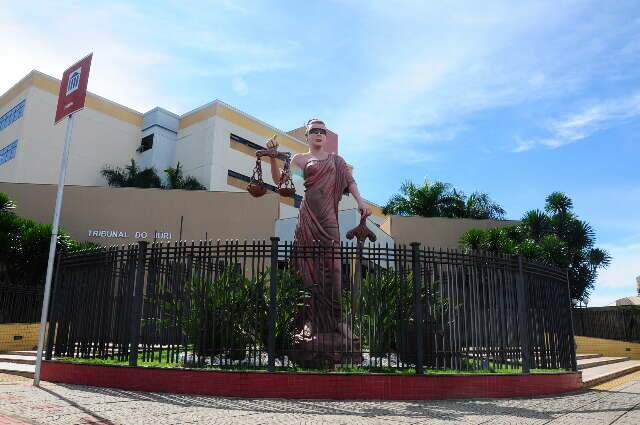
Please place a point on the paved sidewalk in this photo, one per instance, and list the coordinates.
(21, 403)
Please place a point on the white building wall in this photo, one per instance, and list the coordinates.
(10, 169)
(164, 126)
(231, 159)
(163, 153)
(195, 150)
(98, 140)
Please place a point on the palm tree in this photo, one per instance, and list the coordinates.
(537, 224)
(426, 200)
(131, 176)
(439, 199)
(555, 236)
(176, 180)
(558, 203)
(479, 205)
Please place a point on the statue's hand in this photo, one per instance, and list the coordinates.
(364, 209)
(272, 148)
(272, 142)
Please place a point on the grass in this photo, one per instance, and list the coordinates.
(165, 363)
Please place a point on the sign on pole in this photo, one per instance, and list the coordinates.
(73, 90)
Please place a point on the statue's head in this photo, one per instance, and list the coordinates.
(316, 133)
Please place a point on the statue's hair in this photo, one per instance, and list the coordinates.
(312, 121)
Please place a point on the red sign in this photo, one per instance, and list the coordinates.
(73, 88)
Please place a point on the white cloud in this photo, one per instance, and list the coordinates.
(603, 300)
(624, 268)
(618, 280)
(436, 66)
(591, 119)
(122, 69)
(239, 86)
(139, 55)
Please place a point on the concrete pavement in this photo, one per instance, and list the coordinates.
(20, 403)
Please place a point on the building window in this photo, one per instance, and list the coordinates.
(12, 116)
(145, 144)
(297, 199)
(8, 152)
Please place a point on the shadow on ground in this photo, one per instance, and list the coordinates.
(541, 408)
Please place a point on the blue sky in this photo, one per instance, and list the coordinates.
(516, 99)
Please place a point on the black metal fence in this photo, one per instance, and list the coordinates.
(619, 323)
(19, 303)
(248, 305)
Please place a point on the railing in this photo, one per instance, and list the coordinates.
(619, 323)
(19, 303)
(247, 305)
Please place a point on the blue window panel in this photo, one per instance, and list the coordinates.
(8, 152)
(12, 116)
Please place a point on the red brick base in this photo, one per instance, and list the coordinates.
(310, 385)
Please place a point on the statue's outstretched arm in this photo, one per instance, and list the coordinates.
(276, 172)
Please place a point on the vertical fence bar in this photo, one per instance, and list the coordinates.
(572, 335)
(273, 281)
(417, 300)
(136, 307)
(523, 318)
(52, 328)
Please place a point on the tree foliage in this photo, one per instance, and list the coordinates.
(24, 245)
(177, 180)
(555, 236)
(439, 199)
(133, 176)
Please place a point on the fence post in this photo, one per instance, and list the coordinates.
(417, 302)
(273, 282)
(523, 318)
(136, 307)
(572, 336)
(51, 329)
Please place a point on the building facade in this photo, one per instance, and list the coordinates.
(215, 143)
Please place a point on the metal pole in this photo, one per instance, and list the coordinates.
(523, 318)
(52, 249)
(136, 309)
(273, 282)
(572, 335)
(417, 303)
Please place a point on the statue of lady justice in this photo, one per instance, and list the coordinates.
(323, 336)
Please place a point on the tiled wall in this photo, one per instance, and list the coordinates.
(18, 336)
(607, 347)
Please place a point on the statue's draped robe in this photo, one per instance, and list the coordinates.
(317, 240)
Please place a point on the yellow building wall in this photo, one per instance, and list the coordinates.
(607, 347)
(18, 336)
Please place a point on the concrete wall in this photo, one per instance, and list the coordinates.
(220, 215)
(435, 232)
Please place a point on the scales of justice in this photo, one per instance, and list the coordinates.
(323, 336)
